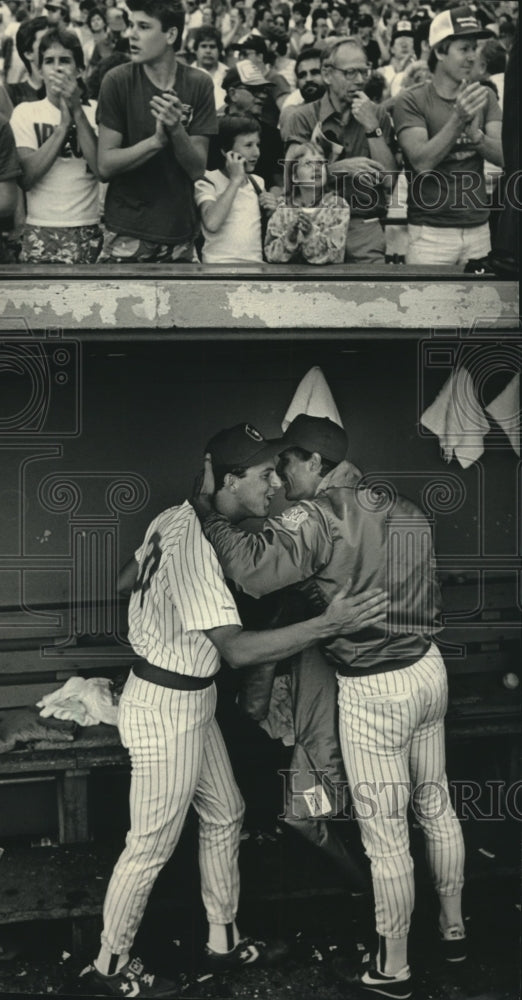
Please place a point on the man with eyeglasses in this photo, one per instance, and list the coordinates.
(246, 91)
(357, 137)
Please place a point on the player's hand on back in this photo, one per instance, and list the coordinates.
(348, 614)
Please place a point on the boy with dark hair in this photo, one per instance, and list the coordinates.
(208, 50)
(27, 38)
(57, 146)
(228, 197)
(31, 88)
(156, 116)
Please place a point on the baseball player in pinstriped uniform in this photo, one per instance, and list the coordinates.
(392, 680)
(181, 617)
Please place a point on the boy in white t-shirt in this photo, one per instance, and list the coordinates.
(231, 199)
(57, 147)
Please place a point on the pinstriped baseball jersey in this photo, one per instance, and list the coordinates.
(179, 592)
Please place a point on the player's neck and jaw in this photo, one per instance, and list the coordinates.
(153, 48)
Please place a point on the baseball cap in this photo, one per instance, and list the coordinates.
(364, 21)
(421, 14)
(458, 22)
(242, 445)
(316, 434)
(403, 29)
(244, 73)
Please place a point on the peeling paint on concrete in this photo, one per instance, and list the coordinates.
(418, 305)
(201, 302)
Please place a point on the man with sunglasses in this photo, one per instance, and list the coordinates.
(357, 137)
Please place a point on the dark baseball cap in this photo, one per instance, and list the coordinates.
(242, 445)
(316, 434)
(403, 29)
(254, 43)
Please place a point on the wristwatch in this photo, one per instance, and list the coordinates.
(376, 134)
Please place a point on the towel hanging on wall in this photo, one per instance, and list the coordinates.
(314, 398)
(505, 409)
(457, 419)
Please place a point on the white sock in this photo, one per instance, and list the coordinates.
(109, 964)
(222, 937)
(392, 957)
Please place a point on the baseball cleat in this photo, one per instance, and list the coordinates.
(131, 981)
(454, 944)
(246, 952)
(371, 982)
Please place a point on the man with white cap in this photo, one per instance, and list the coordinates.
(447, 128)
(392, 679)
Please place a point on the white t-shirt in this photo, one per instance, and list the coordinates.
(67, 195)
(239, 238)
(217, 77)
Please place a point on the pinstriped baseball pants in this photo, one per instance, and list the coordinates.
(178, 758)
(392, 741)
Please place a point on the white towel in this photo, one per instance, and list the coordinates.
(458, 420)
(86, 701)
(314, 398)
(505, 409)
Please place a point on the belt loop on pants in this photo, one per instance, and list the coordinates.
(168, 678)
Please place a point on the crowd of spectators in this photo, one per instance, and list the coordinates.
(232, 131)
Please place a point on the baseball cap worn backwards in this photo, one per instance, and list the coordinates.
(316, 434)
(460, 22)
(242, 445)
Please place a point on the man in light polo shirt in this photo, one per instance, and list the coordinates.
(447, 128)
(357, 137)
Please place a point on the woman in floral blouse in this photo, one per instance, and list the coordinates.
(308, 226)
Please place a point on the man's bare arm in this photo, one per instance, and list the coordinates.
(113, 159)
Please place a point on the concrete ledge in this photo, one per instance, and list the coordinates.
(393, 301)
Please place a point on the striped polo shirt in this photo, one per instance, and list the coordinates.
(180, 591)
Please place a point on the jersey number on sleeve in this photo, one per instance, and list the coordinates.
(148, 567)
